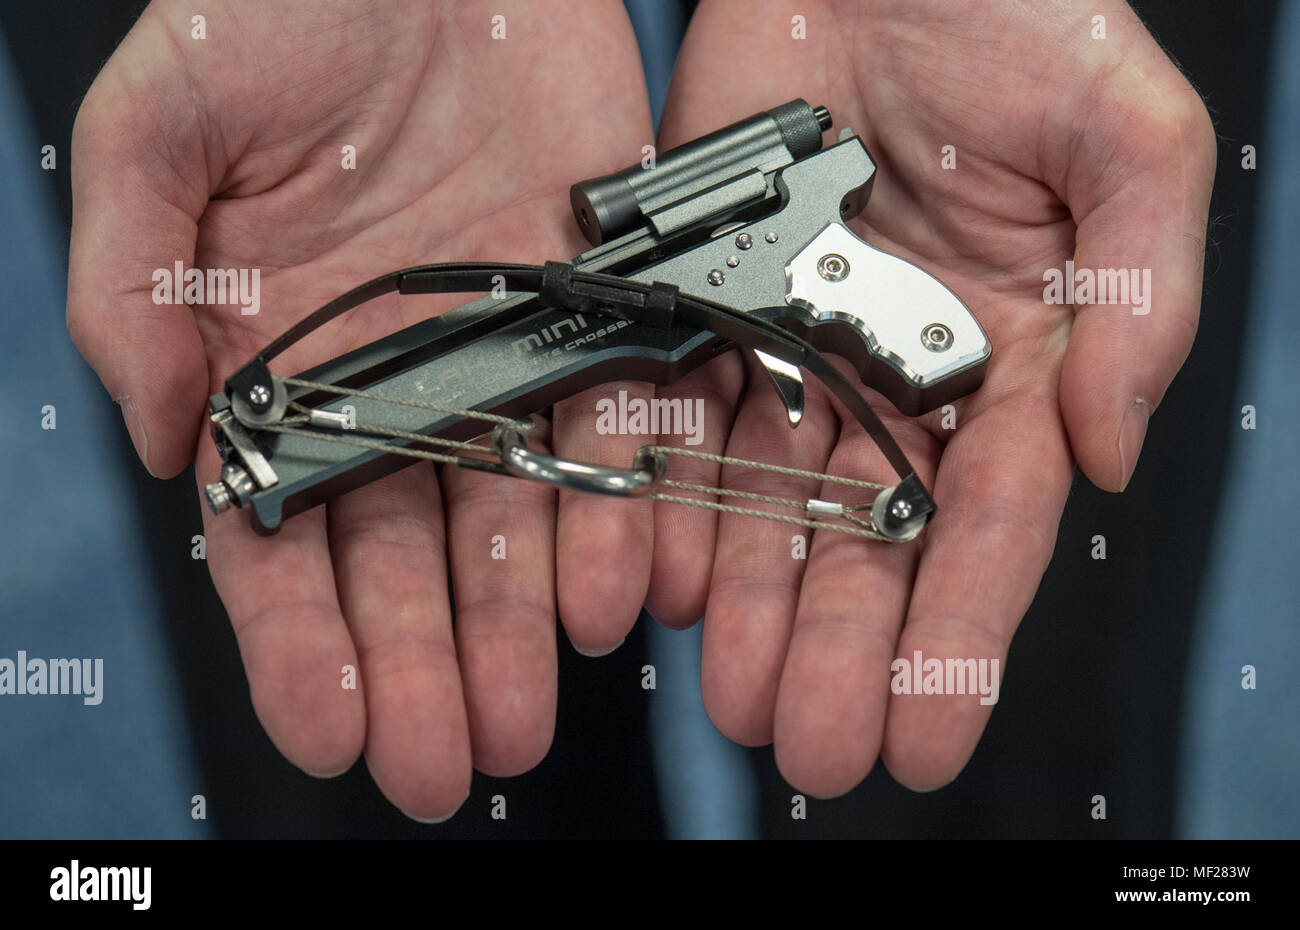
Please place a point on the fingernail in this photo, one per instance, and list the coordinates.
(325, 775)
(595, 653)
(135, 427)
(927, 789)
(431, 820)
(1131, 436)
(443, 819)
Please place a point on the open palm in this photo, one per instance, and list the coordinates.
(1066, 146)
(229, 152)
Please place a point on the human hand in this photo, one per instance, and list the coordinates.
(1066, 147)
(226, 152)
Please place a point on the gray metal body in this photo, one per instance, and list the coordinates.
(751, 216)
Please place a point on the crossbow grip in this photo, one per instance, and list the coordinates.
(908, 336)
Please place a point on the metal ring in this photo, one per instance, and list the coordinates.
(246, 415)
(647, 469)
(895, 526)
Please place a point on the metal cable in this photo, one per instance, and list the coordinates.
(856, 528)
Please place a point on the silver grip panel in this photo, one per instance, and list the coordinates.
(906, 317)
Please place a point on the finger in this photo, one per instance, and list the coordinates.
(502, 538)
(1141, 218)
(759, 563)
(999, 492)
(830, 710)
(281, 598)
(389, 551)
(604, 543)
(684, 536)
(136, 204)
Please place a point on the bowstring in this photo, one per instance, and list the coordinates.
(301, 425)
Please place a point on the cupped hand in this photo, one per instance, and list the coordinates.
(228, 151)
(1066, 146)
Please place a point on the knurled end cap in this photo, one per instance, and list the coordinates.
(800, 126)
(218, 496)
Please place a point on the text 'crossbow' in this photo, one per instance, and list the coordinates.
(737, 239)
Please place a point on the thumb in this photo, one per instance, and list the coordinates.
(139, 185)
(1139, 188)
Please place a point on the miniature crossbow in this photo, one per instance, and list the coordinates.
(734, 239)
